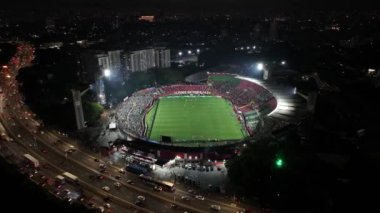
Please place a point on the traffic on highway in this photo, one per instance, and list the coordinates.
(76, 174)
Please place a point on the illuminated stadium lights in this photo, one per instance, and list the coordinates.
(107, 72)
(189, 52)
(248, 48)
(180, 53)
(283, 62)
(285, 107)
(283, 104)
(254, 47)
(295, 91)
(260, 66)
(242, 48)
(198, 50)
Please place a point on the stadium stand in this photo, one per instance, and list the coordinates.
(250, 100)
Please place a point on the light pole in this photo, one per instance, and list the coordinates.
(262, 67)
(77, 99)
(78, 107)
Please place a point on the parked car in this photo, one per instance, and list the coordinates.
(199, 197)
(106, 188)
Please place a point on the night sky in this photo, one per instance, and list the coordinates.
(190, 5)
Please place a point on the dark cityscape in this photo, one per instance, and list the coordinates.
(189, 106)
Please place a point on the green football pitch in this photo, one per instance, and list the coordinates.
(193, 118)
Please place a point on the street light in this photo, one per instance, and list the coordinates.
(107, 73)
(260, 66)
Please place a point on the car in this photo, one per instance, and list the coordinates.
(200, 197)
(185, 198)
(140, 197)
(69, 150)
(117, 184)
(107, 205)
(117, 177)
(106, 188)
(122, 171)
(215, 207)
(101, 209)
(129, 181)
(66, 191)
(96, 160)
(157, 188)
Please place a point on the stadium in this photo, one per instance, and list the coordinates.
(220, 110)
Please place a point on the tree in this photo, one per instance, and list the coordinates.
(92, 112)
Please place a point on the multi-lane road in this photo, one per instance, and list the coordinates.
(50, 148)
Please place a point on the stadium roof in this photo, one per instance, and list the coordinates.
(290, 107)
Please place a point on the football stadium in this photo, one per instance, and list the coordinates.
(220, 110)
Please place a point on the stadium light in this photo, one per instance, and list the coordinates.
(198, 50)
(295, 90)
(189, 52)
(107, 73)
(283, 63)
(180, 53)
(260, 66)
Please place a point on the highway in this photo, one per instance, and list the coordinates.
(50, 148)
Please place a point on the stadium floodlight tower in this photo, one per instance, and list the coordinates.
(261, 67)
(77, 100)
(107, 73)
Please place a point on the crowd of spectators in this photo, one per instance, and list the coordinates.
(185, 89)
(243, 94)
(131, 112)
